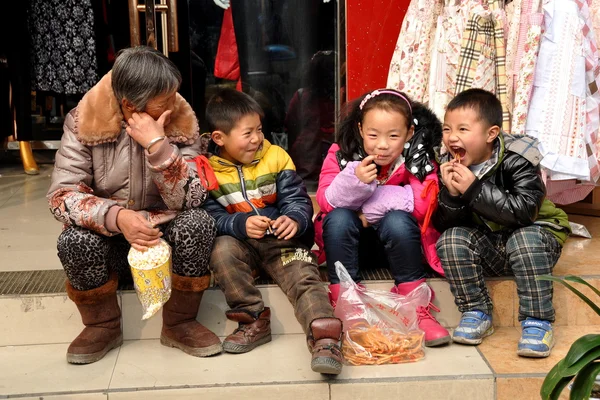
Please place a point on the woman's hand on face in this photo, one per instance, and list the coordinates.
(143, 128)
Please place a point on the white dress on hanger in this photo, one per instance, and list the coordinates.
(565, 105)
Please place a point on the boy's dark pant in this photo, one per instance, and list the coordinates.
(291, 264)
(469, 254)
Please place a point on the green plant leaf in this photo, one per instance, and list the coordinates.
(584, 381)
(584, 350)
(560, 386)
(577, 279)
(572, 289)
(552, 381)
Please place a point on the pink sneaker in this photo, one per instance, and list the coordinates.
(435, 334)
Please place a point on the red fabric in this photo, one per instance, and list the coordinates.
(227, 62)
(206, 173)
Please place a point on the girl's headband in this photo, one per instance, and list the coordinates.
(377, 92)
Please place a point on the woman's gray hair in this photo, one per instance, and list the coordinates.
(143, 73)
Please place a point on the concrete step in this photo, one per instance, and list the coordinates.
(144, 369)
(53, 318)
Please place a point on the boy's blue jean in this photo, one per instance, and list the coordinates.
(394, 242)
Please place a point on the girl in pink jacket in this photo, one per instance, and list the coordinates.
(377, 191)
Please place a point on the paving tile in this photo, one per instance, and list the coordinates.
(43, 369)
(75, 396)
(456, 389)
(522, 389)
(500, 350)
(319, 391)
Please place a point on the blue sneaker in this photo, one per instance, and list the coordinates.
(473, 327)
(537, 338)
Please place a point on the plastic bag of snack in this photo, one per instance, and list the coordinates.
(151, 271)
(379, 327)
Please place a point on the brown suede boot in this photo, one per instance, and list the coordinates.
(251, 331)
(180, 328)
(324, 341)
(101, 316)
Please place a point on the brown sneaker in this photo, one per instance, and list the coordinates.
(251, 331)
(324, 341)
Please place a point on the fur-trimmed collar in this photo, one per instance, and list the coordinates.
(98, 118)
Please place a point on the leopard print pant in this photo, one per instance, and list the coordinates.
(88, 257)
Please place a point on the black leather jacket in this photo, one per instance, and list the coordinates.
(510, 195)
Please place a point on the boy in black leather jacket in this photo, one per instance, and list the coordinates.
(496, 221)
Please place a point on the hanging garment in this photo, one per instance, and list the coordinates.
(63, 46)
(409, 67)
(445, 55)
(482, 56)
(595, 15)
(565, 106)
(512, 29)
(227, 61)
(525, 74)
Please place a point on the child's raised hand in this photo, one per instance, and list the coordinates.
(285, 227)
(256, 226)
(462, 178)
(366, 171)
(447, 171)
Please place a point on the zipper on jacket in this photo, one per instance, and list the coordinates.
(244, 194)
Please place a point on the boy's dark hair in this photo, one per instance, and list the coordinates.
(348, 135)
(485, 104)
(227, 107)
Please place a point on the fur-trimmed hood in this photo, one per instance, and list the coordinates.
(98, 117)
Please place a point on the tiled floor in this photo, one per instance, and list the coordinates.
(28, 231)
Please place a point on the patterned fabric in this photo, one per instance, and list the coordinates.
(63, 45)
(290, 264)
(513, 16)
(409, 67)
(564, 109)
(88, 258)
(445, 55)
(595, 14)
(525, 74)
(482, 56)
(469, 254)
(592, 82)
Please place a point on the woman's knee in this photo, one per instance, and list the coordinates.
(192, 227)
(83, 256)
(76, 240)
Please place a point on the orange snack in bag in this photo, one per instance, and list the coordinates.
(369, 345)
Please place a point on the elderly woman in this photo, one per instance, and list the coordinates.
(122, 179)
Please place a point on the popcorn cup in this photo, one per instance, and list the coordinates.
(151, 271)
